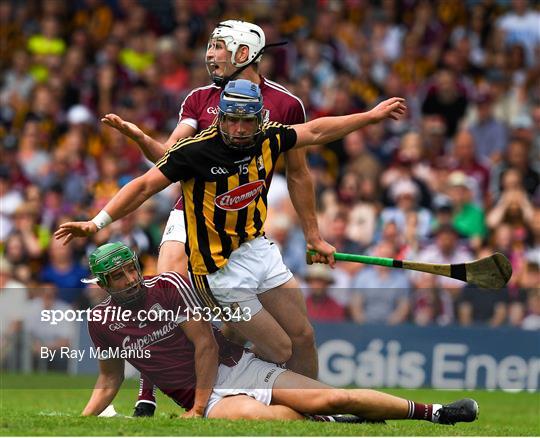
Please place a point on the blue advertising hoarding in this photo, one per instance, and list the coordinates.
(439, 357)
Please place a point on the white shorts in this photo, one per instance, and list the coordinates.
(253, 268)
(175, 230)
(251, 376)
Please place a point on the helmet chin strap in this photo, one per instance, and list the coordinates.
(221, 81)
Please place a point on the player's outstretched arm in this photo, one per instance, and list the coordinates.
(152, 149)
(127, 200)
(111, 376)
(206, 363)
(328, 129)
(302, 195)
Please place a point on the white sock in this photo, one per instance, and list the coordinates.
(434, 413)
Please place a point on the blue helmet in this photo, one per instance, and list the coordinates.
(240, 99)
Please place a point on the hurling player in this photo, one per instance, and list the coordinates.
(234, 51)
(207, 375)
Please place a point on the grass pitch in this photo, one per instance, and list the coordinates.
(50, 405)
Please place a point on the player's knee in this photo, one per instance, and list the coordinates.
(337, 399)
(282, 351)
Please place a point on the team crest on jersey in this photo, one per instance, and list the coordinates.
(260, 163)
(240, 197)
(156, 308)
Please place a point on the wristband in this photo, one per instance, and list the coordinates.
(102, 219)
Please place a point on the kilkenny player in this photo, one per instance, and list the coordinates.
(234, 51)
(208, 376)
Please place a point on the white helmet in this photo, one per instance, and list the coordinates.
(237, 33)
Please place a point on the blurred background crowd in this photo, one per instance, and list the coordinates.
(457, 180)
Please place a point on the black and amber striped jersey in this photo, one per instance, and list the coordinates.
(225, 190)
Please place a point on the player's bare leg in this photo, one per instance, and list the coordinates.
(276, 348)
(238, 407)
(312, 397)
(172, 257)
(286, 304)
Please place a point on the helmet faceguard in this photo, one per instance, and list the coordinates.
(240, 102)
(234, 34)
(112, 261)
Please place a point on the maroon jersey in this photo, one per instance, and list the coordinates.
(159, 349)
(200, 108)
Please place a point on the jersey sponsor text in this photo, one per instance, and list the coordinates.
(240, 197)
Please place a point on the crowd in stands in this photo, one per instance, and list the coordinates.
(457, 180)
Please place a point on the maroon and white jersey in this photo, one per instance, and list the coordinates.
(200, 108)
(159, 349)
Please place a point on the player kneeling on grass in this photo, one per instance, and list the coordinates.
(189, 360)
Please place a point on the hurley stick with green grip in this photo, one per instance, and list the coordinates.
(491, 272)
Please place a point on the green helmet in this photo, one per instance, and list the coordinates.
(108, 258)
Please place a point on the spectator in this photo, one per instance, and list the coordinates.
(522, 26)
(335, 231)
(136, 56)
(34, 160)
(47, 47)
(533, 243)
(535, 152)
(405, 195)
(10, 200)
(430, 303)
(446, 98)
(16, 255)
(513, 208)
(362, 223)
(108, 184)
(290, 240)
(433, 133)
(62, 175)
(35, 237)
(524, 301)
(532, 320)
(174, 74)
(96, 18)
(359, 161)
(490, 134)
(517, 157)
(18, 82)
(321, 307)
(46, 334)
(64, 272)
(13, 305)
(312, 63)
(468, 218)
(131, 233)
(442, 208)
(380, 295)
(464, 160)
